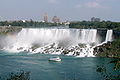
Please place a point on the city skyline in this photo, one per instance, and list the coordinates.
(76, 10)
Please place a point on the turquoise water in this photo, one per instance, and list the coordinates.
(41, 69)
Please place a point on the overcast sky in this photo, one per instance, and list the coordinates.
(72, 10)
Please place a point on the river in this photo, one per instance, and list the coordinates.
(30, 49)
(40, 68)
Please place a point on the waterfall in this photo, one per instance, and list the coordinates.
(47, 36)
(89, 36)
(75, 42)
(109, 35)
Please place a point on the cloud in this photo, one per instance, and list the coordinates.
(52, 1)
(92, 5)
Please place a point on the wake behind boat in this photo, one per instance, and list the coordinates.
(55, 59)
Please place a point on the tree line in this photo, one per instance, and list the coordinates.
(28, 24)
(79, 24)
(96, 25)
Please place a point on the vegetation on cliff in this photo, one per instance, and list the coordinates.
(109, 49)
(112, 72)
(22, 75)
(112, 50)
(29, 24)
(96, 25)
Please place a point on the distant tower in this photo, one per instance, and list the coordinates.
(45, 18)
(0, 18)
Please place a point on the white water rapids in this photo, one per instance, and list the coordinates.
(77, 42)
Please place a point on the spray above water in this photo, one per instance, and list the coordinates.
(77, 42)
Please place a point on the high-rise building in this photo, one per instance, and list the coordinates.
(55, 19)
(0, 18)
(93, 19)
(45, 18)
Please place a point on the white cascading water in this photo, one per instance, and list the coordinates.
(75, 42)
(109, 35)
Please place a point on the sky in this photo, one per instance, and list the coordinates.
(71, 10)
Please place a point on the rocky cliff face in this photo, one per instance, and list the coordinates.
(11, 30)
(116, 34)
(109, 49)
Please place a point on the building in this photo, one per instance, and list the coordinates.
(45, 17)
(0, 18)
(67, 23)
(93, 19)
(55, 19)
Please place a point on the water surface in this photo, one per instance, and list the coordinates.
(41, 69)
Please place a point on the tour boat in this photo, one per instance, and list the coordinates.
(56, 59)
